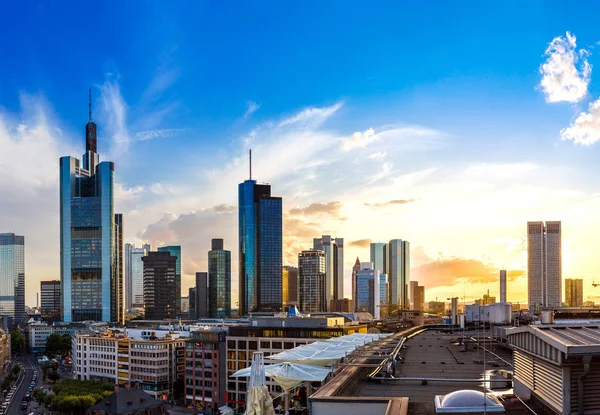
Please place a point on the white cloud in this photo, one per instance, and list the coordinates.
(412, 137)
(160, 133)
(359, 139)
(114, 111)
(379, 155)
(251, 108)
(312, 115)
(585, 129)
(385, 172)
(566, 72)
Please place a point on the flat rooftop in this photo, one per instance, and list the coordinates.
(434, 354)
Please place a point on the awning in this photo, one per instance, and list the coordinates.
(289, 375)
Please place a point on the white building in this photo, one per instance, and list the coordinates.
(38, 333)
(134, 275)
(544, 265)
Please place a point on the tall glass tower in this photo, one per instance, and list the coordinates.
(219, 280)
(260, 250)
(12, 277)
(175, 250)
(89, 236)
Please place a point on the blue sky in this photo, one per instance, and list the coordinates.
(463, 129)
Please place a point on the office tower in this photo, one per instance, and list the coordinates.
(117, 297)
(160, 286)
(289, 283)
(574, 292)
(355, 269)
(260, 247)
(175, 251)
(201, 294)
(219, 280)
(544, 265)
(312, 275)
(379, 256)
(383, 290)
(502, 285)
(88, 256)
(12, 277)
(50, 300)
(127, 277)
(134, 275)
(398, 270)
(417, 295)
(334, 265)
(192, 312)
(368, 289)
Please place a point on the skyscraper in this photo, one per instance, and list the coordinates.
(334, 265)
(88, 256)
(289, 285)
(12, 277)
(192, 312)
(160, 286)
(117, 297)
(379, 256)
(574, 292)
(219, 280)
(355, 269)
(398, 270)
(134, 275)
(312, 276)
(260, 247)
(417, 296)
(502, 285)
(175, 250)
(544, 265)
(202, 294)
(50, 300)
(368, 287)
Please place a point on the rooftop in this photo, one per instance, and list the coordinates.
(126, 402)
(569, 339)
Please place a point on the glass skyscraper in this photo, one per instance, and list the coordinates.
(260, 248)
(334, 265)
(134, 275)
(12, 277)
(175, 250)
(89, 237)
(160, 287)
(398, 271)
(312, 275)
(219, 280)
(368, 289)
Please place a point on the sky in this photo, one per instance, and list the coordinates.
(447, 125)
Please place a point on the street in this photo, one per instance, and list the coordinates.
(15, 406)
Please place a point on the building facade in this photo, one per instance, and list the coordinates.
(154, 359)
(417, 295)
(206, 369)
(312, 285)
(398, 270)
(334, 267)
(355, 269)
(50, 300)
(260, 248)
(192, 311)
(117, 288)
(379, 256)
(134, 275)
(544, 265)
(160, 286)
(289, 286)
(4, 349)
(219, 281)
(12, 277)
(574, 292)
(37, 333)
(202, 294)
(437, 307)
(175, 250)
(89, 267)
(368, 286)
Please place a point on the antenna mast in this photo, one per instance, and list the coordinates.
(250, 164)
(90, 105)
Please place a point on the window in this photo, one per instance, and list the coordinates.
(288, 345)
(231, 344)
(241, 344)
(276, 345)
(252, 345)
(265, 345)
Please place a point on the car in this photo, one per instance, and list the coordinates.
(24, 405)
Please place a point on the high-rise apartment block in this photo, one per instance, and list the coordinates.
(175, 250)
(417, 296)
(134, 275)
(289, 286)
(312, 285)
(219, 280)
(12, 277)
(89, 235)
(368, 287)
(160, 286)
(50, 300)
(544, 264)
(334, 267)
(574, 292)
(260, 248)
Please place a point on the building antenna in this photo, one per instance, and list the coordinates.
(250, 164)
(90, 105)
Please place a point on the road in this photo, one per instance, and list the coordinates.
(15, 406)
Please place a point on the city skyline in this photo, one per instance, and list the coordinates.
(468, 146)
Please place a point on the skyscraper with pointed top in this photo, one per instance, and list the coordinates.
(90, 236)
(260, 247)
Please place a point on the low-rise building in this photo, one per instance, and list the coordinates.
(154, 359)
(206, 369)
(437, 307)
(128, 401)
(4, 348)
(37, 333)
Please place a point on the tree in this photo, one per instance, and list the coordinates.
(66, 344)
(16, 370)
(54, 344)
(17, 341)
(53, 376)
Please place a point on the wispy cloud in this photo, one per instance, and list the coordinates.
(359, 139)
(566, 72)
(162, 80)
(251, 108)
(361, 243)
(413, 136)
(161, 133)
(312, 115)
(114, 109)
(378, 155)
(391, 203)
(585, 129)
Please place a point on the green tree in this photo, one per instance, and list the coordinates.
(16, 370)
(53, 376)
(44, 372)
(66, 344)
(54, 344)
(17, 341)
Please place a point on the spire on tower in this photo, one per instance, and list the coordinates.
(90, 104)
(250, 162)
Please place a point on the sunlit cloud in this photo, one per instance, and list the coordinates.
(585, 129)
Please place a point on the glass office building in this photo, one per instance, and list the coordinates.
(398, 271)
(260, 248)
(160, 286)
(91, 279)
(175, 250)
(219, 281)
(368, 288)
(12, 277)
(312, 275)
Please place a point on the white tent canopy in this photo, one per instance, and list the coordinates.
(327, 352)
(289, 375)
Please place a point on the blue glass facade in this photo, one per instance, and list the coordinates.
(219, 281)
(260, 248)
